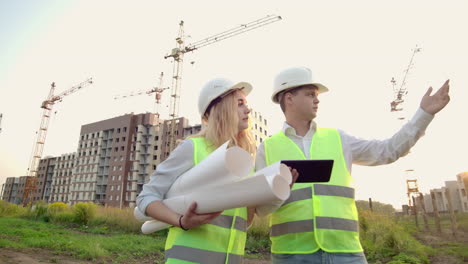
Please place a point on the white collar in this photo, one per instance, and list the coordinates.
(289, 130)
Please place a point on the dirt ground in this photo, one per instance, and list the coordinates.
(34, 256)
(440, 241)
(42, 256)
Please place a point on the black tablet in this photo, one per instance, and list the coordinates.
(311, 170)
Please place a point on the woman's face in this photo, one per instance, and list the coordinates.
(243, 110)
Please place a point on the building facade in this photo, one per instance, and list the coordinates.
(114, 159)
(44, 176)
(259, 127)
(10, 191)
(61, 179)
(453, 191)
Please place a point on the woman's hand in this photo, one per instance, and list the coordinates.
(191, 219)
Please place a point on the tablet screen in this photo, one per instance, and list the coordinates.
(311, 170)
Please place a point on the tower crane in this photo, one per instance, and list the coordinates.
(46, 105)
(157, 90)
(177, 54)
(400, 93)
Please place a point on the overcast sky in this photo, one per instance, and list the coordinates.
(353, 47)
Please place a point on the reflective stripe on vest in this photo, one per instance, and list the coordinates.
(220, 241)
(321, 215)
(226, 222)
(308, 225)
(320, 189)
(201, 256)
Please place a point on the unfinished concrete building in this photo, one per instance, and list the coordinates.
(61, 179)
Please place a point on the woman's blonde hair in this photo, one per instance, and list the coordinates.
(221, 124)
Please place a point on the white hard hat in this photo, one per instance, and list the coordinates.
(292, 78)
(216, 88)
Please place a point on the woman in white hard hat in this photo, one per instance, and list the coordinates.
(204, 238)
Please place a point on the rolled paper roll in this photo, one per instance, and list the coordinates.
(275, 169)
(221, 166)
(247, 192)
(151, 226)
(266, 186)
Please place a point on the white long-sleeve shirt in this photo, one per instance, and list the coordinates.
(356, 150)
(179, 161)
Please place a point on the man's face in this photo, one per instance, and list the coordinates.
(305, 102)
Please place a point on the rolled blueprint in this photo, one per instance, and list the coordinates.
(248, 192)
(221, 166)
(267, 185)
(149, 227)
(275, 169)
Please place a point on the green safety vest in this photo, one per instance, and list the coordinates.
(316, 215)
(220, 241)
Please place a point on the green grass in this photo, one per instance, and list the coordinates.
(258, 240)
(114, 234)
(122, 248)
(383, 240)
(444, 244)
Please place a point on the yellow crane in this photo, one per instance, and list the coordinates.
(177, 54)
(46, 105)
(156, 90)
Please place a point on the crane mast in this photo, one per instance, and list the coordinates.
(177, 54)
(47, 106)
(400, 93)
(158, 93)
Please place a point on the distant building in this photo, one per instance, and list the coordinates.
(462, 182)
(10, 191)
(44, 174)
(22, 187)
(457, 195)
(114, 159)
(259, 127)
(61, 179)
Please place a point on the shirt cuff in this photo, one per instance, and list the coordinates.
(421, 119)
(143, 204)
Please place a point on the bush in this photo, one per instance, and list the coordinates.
(56, 207)
(84, 212)
(65, 217)
(117, 219)
(59, 213)
(377, 207)
(11, 210)
(39, 211)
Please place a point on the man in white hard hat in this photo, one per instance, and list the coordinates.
(319, 221)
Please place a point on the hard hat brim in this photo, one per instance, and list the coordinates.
(243, 86)
(321, 89)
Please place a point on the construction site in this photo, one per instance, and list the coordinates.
(96, 95)
(116, 156)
